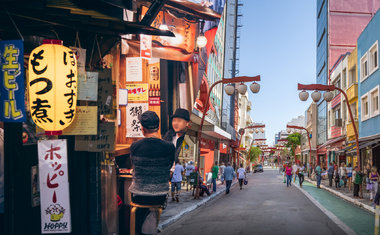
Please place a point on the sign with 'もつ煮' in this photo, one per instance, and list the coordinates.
(12, 90)
(52, 86)
(54, 186)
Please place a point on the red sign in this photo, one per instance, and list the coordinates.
(154, 101)
(223, 148)
(145, 46)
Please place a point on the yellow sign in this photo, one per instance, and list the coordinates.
(52, 87)
(85, 122)
(137, 92)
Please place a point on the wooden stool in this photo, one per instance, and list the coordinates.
(134, 207)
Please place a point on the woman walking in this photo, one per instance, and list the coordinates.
(288, 172)
(374, 181)
(241, 176)
(301, 174)
(349, 176)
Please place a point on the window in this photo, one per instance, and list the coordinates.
(344, 111)
(365, 107)
(337, 84)
(363, 68)
(374, 102)
(344, 78)
(373, 58)
(352, 76)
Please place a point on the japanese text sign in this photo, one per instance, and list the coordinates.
(137, 92)
(145, 46)
(12, 104)
(52, 87)
(104, 141)
(105, 91)
(134, 110)
(54, 186)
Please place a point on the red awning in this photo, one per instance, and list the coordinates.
(332, 141)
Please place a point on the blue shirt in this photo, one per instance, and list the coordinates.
(228, 173)
(330, 171)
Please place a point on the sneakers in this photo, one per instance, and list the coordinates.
(177, 198)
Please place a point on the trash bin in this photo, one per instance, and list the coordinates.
(193, 178)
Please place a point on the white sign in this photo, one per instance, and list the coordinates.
(134, 110)
(88, 86)
(134, 69)
(123, 96)
(80, 54)
(54, 186)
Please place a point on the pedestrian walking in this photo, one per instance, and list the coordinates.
(151, 159)
(176, 181)
(188, 170)
(301, 174)
(330, 173)
(337, 178)
(229, 174)
(318, 173)
(343, 174)
(349, 176)
(176, 135)
(358, 180)
(215, 172)
(374, 179)
(294, 171)
(288, 173)
(241, 176)
(221, 172)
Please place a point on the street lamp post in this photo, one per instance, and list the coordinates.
(229, 89)
(328, 96)
(308, 136)
(242, 131)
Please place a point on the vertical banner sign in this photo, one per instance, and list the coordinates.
(105, 91)
(134, 110)
(52, 87)
(12, 102)
(54, 186)
(145, 46)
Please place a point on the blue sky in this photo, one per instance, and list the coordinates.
(278, 42)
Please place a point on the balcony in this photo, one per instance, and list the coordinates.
(350, 130)
(352, 92)
(336, 131)
(335, 101)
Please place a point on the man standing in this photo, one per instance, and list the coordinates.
(180, 123)
(221, 172)
(330, 173)
(152, 159)
(229, 174)
(241, 175)
(189, 169)
(318, 172)
(176, 181)
(215, 172)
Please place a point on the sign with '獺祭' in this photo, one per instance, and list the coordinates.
(12, 108)
(52, 86)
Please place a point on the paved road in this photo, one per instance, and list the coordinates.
(264, 206)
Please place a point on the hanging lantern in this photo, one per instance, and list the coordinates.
(303, 95)
(328, 96)
(316, 96)
(52, 86)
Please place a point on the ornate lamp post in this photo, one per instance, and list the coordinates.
(242, 131)
(328, 96)
(229, 89)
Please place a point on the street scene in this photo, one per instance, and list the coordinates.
(134, 117)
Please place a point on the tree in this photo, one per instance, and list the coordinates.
(253, 154)
(293, 141)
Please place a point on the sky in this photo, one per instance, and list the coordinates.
(278, 42)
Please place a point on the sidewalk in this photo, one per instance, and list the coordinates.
(347, 194)
(175, 210)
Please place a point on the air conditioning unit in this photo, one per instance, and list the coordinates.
(338, 122)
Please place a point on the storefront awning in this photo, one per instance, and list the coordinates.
(368, 143)
(194, 9)
(332, 141)
(216, 132)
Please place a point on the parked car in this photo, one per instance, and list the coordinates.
(258, 168)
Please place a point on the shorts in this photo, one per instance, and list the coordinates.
(176, 185)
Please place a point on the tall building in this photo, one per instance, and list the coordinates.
(339, 24)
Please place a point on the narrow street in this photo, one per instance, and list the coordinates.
(265, 206)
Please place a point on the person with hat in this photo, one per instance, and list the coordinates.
(152, 159)
(176, 135)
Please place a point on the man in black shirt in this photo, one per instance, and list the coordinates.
(152, 159)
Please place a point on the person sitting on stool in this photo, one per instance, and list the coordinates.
(152, 159)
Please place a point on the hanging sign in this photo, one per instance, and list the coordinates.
(54, 186)
(85, 122)
(105, 91)
(104, 141)
(52, 87)
(145, 46)
(134, 111)
(137, 92)
(12, 101)
(80, 54)
(88, 86)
